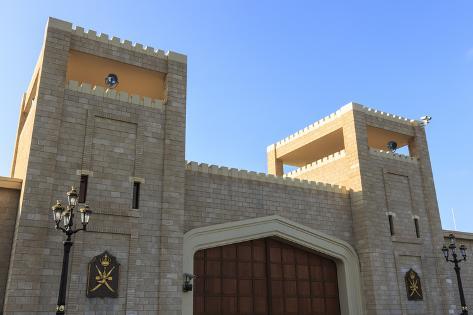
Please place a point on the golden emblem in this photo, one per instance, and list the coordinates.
(413, 286)
(103, 276)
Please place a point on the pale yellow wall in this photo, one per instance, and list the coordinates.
(23, 145)
(378, 138)
(87, 68)
(26, 103)
(315, 150)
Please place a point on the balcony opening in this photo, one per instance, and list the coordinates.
(323, 147)
(91, 69)
(378, 139)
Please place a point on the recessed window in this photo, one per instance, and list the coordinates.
(136, 195)
(84, 180)
(416, 224)
(391, 224)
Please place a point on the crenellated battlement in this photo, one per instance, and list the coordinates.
(116, 41)
(238, 173)
(316, 164)
(381, 114)
(344, 109)
(311, 127)
(394, 156)
(112, 94)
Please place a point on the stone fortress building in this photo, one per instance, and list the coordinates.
(338, 235)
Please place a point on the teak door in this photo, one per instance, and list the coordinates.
(265, 276)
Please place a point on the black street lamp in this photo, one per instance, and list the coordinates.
(446, 253)
(67, 216)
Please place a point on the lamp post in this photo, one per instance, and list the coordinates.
(451, 250)
(67, 216)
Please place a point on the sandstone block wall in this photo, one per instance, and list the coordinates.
(9, 198)
(215, 198)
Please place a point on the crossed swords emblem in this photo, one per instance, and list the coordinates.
(102, 278)
(414, 286)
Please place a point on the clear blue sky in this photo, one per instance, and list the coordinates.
(260, 70)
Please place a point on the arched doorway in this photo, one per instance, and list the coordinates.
(266, 276)
(342, 253)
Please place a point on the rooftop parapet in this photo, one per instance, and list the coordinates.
(394, 156)
(310, 128)
(316, 164)
(250, 175)
(116, 41)
(344, 109)
(112, 94)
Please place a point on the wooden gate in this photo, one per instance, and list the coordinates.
(265, 276)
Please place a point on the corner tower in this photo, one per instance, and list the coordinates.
(396, 219)
(72, 129)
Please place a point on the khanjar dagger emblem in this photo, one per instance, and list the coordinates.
(413, 286)
(102, 280)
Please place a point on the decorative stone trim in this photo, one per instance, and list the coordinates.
(458, 235)
(85, 172)
(137, 179)
(120, 96)
(269, 178)
(316, 164)
(10, 183)
(348, 269)
(116, 41)
(394, 156)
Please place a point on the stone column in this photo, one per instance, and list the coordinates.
(172, 215)
(275, 166)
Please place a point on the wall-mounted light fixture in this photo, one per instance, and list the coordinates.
(111, 80)
(187, 286)
(392, 146)
(425, 120)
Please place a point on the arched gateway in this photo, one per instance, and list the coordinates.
(271, 265)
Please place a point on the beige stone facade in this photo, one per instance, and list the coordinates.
(372, 211)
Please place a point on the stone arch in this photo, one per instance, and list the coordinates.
(348, 270)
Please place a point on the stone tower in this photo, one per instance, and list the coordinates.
(396, 221)
(72, 129)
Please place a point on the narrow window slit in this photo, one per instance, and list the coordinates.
(391, 224)
(136, 195)
(416, 224)
(84, 180)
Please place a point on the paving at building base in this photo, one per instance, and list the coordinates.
(354, 229)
